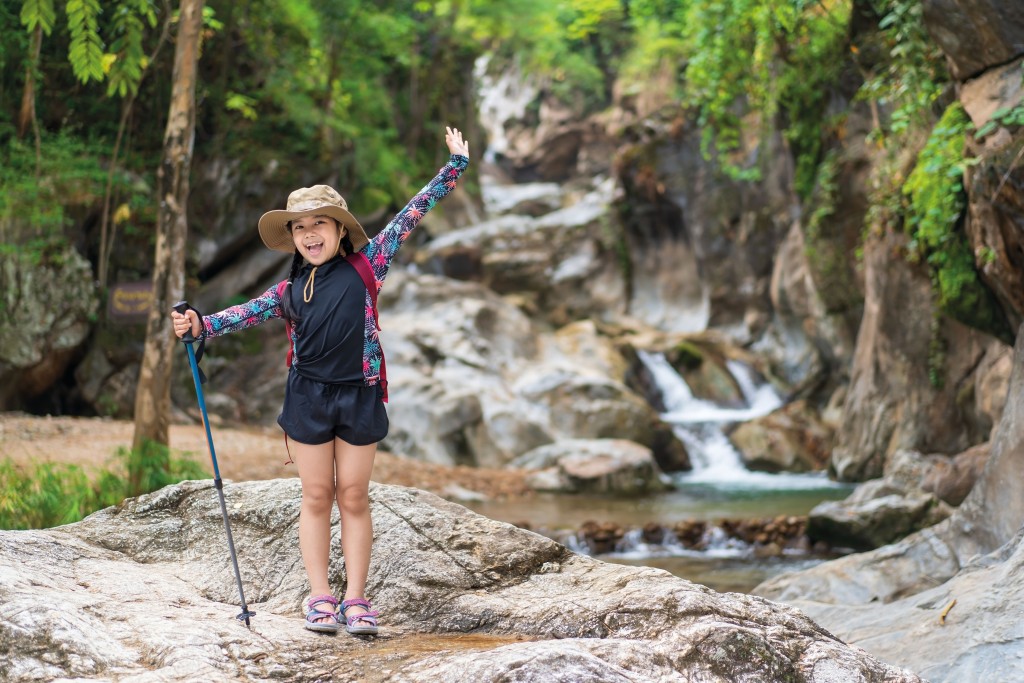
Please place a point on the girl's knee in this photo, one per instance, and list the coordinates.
(353, 499)
(318, 498)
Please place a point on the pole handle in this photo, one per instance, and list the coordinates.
(181, 307)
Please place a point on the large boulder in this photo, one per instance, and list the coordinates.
(790, 439)
(145, 591)
(614, 466)
(44, 325)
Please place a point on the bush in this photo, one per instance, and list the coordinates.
(50, 494)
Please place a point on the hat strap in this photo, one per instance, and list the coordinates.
(307, 291)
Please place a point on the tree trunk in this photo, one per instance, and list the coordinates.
(28, 95)
(153, 393)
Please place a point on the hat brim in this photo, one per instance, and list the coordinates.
(273, 227)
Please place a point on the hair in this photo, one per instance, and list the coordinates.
(287, 310)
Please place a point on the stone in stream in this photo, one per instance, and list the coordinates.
(144, 591)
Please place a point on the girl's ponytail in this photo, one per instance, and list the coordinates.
(287, 310)
(346, 244)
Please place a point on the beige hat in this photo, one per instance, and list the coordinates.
(319, 200)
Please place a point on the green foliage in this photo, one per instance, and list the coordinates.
(767, 57)
(911, 79)
(72, 176)
(935, 201)
(86, 49)
(38, 13)
(128, 59)
(49, 494)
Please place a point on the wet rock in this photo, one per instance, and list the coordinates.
(691, 533)
(601, 538)
(653, 533)
(791, 439)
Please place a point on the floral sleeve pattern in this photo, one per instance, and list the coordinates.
(383, 247)
(243, 316)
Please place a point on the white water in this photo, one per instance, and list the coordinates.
(699, 425)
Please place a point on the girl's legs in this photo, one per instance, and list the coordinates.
(354, 464)
(316, 471)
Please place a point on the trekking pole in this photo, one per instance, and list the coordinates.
(188, 339)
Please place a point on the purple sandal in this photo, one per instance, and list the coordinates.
(313, 614)
(368, 627)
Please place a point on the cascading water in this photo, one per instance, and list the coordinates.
(700, 425)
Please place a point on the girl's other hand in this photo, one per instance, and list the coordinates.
(456, 145)
(183, 322)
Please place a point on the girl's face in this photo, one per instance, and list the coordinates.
(317, 238)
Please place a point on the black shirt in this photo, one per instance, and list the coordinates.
(331, 329)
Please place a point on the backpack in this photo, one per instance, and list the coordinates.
(362, 266)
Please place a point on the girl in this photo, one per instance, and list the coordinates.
(334, 400)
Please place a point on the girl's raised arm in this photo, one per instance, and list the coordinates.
(382, 248)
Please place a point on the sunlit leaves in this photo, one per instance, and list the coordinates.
(242, 104)
(129, 22)
(86, 49)
(38, 13)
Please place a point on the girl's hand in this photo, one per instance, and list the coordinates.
(456, 145)
(183, 322)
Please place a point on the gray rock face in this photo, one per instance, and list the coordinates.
(891, 402)
(976, 34)
(975, 556)
(145, 591)
(43, 325)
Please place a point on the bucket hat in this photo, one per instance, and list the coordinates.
(318, 200)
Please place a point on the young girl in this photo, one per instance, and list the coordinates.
(333, 411)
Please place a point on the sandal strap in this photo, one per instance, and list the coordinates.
(355, 602)
(314, 614)
(369, 616)
(317, 599)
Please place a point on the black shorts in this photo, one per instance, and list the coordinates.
(315, 412)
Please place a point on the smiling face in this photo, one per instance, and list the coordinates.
(317, 238)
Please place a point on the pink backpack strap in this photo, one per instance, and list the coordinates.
(287, 326)
(365, 270)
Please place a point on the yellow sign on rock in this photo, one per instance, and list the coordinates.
(130, 301)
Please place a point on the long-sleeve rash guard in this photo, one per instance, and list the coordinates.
(325, 341)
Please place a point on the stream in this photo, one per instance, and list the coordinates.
(719, 487)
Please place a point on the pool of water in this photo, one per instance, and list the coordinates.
(697, 501)
(725, 572)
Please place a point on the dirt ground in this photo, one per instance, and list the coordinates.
(242, 454)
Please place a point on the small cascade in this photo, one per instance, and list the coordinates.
(700, 425)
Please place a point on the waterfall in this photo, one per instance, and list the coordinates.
(700, 425)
